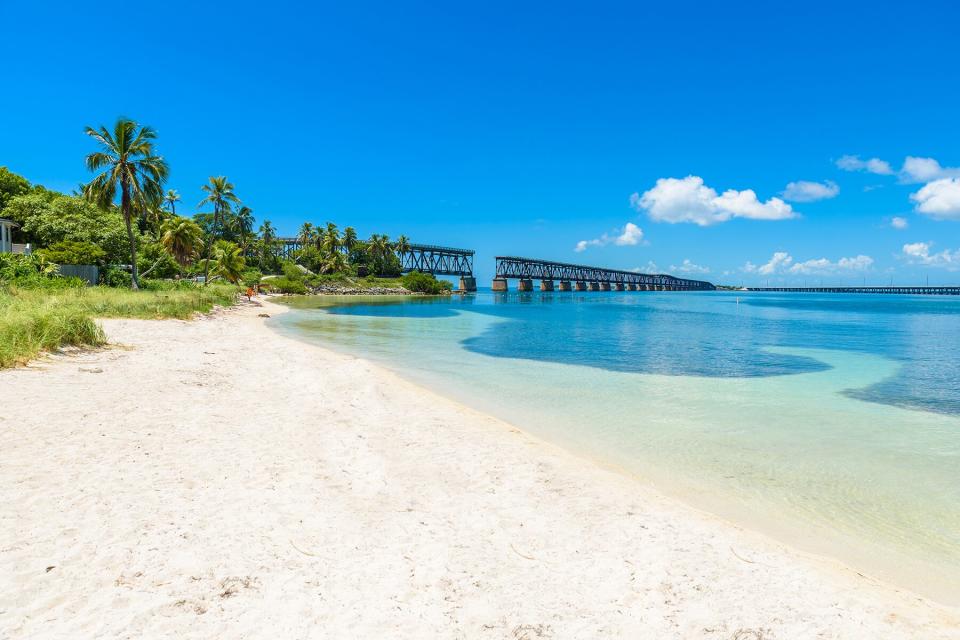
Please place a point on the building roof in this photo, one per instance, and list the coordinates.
(10, 221)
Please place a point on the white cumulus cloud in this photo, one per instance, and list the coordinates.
(925, 170)
(783, 262)
(822, 266)
(806, 191)
(939, 199)
(689, 267)
(690, 200)
(872, 165)
(630, 235)
(919, 253)
(899, 223)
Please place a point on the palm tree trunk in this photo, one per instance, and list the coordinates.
(209, 248)
(125, 206)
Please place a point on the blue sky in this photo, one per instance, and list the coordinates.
(526, 128)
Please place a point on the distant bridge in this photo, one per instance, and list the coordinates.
(575, 277)
(928, 291)
(425, 258)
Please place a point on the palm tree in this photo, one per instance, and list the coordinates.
(228, 261)
(330, 243)
(172, 198)
(305, 235)
(128, 159)
(243, 225)
(220, 194)
(182, 238)
(267, 236)
(402, 245)
(335, 262)
(378, 246)
(349, 238)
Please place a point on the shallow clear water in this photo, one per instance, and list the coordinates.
(830, 421)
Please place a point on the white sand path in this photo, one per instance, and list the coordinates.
(213, 479)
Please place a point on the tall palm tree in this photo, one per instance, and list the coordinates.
(305, 235)
(182, 238)
(243, 225)
(267, 237)
(402, 245)
(128, 161)
(330, 240)
(172, 198)
(349, 238)
(220, 194)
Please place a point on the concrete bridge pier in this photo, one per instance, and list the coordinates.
(604, 286)
(468, 284)
(499, 284)
(565, 285)
(631, 287)
(593, 286)
(525, 284)
(546, 285)
(581, 286)
(618, 286)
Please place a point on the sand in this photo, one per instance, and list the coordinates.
(213, 479)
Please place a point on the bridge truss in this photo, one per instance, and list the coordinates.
(440, 261)
(529, 269)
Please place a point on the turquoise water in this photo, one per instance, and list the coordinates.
(831, 422)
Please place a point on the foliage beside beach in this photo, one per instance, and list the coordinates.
(42, 311)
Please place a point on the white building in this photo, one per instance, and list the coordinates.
(6, 235)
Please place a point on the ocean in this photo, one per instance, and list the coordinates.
(830, 422)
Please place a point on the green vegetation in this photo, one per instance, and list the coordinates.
(425, 283)
(40, 310)
(125, 222)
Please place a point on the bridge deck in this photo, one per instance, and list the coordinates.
(547, 270)
(936, 291)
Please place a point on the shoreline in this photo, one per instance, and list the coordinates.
(277, 485)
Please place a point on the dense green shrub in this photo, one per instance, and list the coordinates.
(73, 252)
(114, 276)
(284, 285)
(49, 218)
(425, 283)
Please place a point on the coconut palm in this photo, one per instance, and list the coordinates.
(268, 236)
(228, 261)
(182, 238)
(129, 163)
(378, 246)
(402, 245)
(305, 235)
(171, 198)
(349, 238)
(243, 225)
(335, 262)
(220, 194)
(330, 243)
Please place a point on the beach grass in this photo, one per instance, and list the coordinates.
(37, 320)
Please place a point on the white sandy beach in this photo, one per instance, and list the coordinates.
(213, 479)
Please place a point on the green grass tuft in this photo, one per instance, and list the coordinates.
(33, 320)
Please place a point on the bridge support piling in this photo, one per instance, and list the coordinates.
(631, 287)
(604, 286)
(581, 286)
(468, 284)
(593, 286)
(564, 285)
(499, 284)
(618, 286)
(546, 285)
(525, 284)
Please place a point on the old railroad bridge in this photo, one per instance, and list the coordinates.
(562, 276)
(576, 277)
